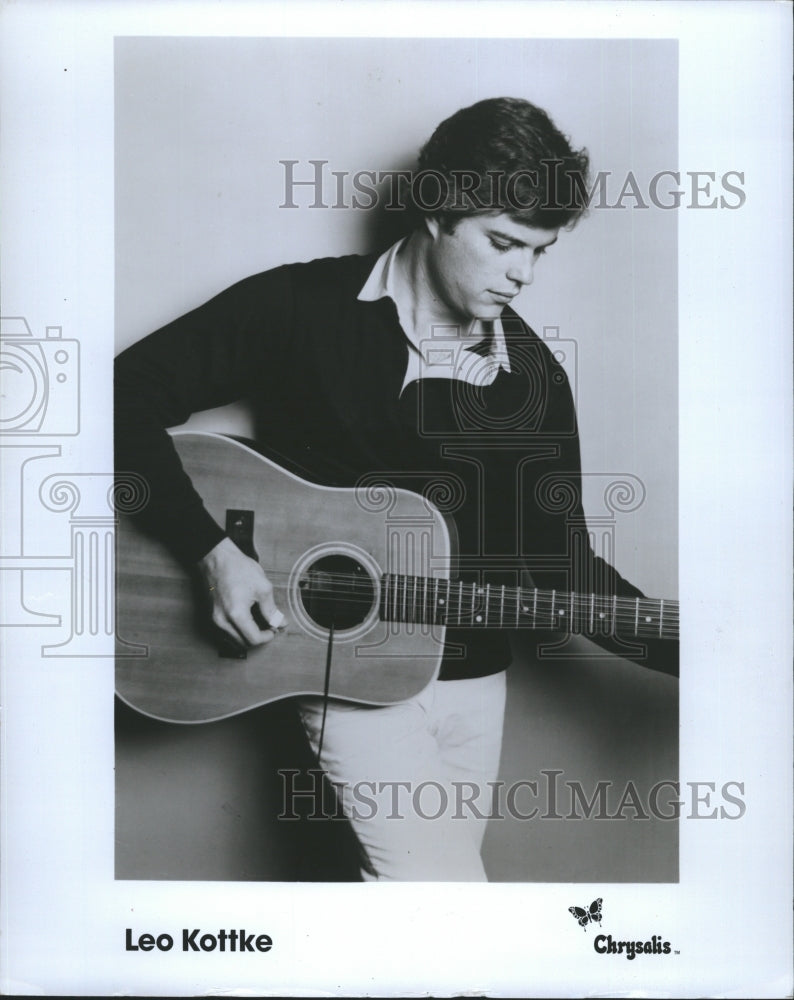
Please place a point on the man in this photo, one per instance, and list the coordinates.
(410, 365)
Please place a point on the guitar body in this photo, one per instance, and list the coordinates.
(170, 662)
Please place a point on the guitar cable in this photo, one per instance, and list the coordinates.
(326, 687)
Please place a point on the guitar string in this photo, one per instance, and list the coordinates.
(357, 579)
(348, 584)
(418, 609)
(562, 599)
(583, 603)
(649, 623)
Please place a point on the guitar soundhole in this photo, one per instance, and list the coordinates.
(337, 590)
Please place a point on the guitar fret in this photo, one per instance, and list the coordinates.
(425, 600)
(601, 606)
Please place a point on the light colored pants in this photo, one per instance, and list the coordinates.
(413, 778)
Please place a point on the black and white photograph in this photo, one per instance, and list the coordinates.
(395, 428)
(472, 408)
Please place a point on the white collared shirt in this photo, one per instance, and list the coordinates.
(439, 351)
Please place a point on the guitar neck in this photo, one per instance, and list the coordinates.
(439, 601)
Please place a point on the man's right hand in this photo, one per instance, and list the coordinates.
(235, 584)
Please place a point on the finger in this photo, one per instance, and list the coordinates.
(263, 637)
(250, 630)
(267, 605)
(224, 625)
(276, 620)
(263, 624)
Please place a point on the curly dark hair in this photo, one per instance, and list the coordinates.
(502, 155)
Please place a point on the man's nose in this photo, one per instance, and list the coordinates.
(522, 270)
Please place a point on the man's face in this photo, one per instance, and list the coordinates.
(486, 261)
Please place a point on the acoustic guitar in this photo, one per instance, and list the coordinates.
(363, 576)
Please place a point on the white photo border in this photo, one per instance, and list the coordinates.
(64, 916)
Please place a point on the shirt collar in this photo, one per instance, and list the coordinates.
(382, 283)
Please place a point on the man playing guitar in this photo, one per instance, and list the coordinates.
(413, 368)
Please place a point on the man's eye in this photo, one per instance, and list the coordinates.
(501, 247)
(540, 251)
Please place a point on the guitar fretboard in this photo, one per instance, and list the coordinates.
(439, 601)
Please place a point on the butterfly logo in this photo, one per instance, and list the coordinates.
(590, 915)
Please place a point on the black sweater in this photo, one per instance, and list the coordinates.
(323, 372)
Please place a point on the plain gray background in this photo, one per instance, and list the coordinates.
(201, 125)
